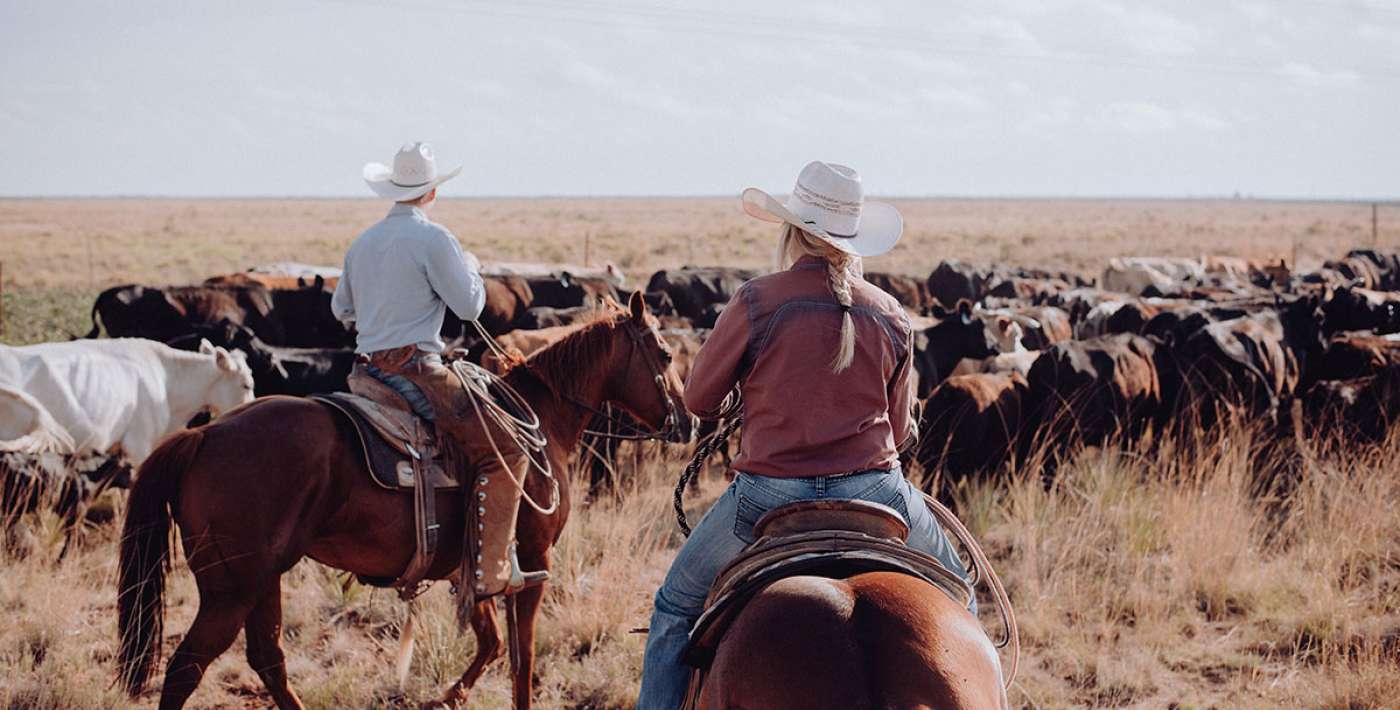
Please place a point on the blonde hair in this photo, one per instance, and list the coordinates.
(840, 269)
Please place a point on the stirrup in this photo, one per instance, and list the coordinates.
(523, 580)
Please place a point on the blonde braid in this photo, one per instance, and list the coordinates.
(838, 274)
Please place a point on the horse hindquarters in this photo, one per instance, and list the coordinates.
(874, 640)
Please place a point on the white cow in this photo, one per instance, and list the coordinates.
(125, 394)
(1134, 274)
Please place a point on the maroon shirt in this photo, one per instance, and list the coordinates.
(777, 337)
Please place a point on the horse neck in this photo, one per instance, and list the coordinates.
(565, 408)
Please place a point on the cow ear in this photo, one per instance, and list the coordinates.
(206, 347)
(637, 307)
(938, 311)
(224, 360)
(965, 311)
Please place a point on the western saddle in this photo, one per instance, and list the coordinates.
(826, 538)
(401, 452)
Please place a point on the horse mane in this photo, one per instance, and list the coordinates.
(561, 367)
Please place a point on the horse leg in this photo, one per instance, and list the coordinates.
(214, 628)
(527, 607)
(263, 631)
(488, 649)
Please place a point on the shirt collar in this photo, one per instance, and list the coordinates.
(808, 262)
(400, 208)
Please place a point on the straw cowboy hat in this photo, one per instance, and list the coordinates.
(829, 203)
(414, 174)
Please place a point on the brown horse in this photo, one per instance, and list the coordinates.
(874, 640)
(281, 479)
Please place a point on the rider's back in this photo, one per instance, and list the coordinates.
(800, 418)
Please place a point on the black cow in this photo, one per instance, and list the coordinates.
(694, 289)
(939, 348)
(953, 281)
(133, 311)
(1084, 392)
(278, 370)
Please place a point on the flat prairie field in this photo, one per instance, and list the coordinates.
(97, 243)
(1144, 578)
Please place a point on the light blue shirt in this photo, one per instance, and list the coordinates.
(400, 277)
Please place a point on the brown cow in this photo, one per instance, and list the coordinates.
(910, 291)
(271, 281)
(969, 425)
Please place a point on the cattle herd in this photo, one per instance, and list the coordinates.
(1012, 363)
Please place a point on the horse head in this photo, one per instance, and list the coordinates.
(646, 384)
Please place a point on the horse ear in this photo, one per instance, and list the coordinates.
(637, 306)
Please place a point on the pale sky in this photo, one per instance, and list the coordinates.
(1279, 98)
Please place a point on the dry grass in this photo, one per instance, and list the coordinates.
(1137, 583)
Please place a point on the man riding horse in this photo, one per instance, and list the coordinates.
(400, 277)
(825, 364)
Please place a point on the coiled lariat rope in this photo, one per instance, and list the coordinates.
(515, 417)
(982, 566)
(731, 412)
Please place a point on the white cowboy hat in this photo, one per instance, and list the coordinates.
(829, 203)
(414, 174)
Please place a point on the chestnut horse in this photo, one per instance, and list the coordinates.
(281, 478)
(873, 640)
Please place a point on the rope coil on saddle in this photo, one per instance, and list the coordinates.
(981, 565)
(496, 402)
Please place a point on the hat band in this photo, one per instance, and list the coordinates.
(396, 183)
(828, 232)
(850, 208)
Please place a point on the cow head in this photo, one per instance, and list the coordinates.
(232, 383)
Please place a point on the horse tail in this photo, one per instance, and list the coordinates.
(145, 557)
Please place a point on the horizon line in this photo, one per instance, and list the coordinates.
(1207, 197)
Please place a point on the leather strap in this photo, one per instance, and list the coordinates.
(425, 525)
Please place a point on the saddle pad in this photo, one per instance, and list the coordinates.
(834, 554)
(387, 466)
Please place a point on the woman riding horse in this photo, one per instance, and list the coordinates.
(824, 360)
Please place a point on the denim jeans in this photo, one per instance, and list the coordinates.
(404, 386)
(727, 528)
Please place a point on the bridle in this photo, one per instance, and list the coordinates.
(675, 414)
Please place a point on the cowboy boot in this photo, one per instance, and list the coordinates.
(497, 498)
